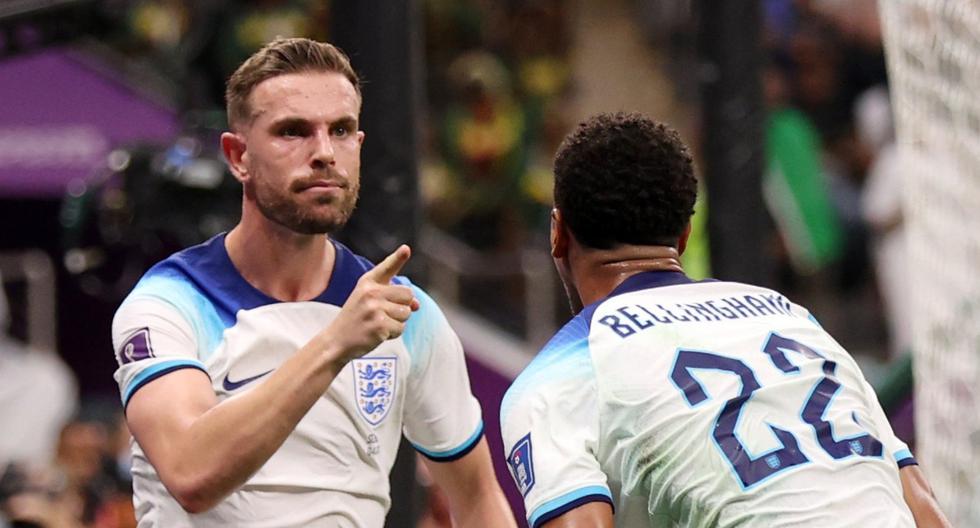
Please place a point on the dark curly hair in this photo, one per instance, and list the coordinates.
(624, 179)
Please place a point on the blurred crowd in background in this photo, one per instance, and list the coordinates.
(501, 87)
(831, 187)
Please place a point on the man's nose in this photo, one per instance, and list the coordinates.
(323, 154)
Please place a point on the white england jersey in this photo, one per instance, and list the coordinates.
(702, 404)
(194, 310)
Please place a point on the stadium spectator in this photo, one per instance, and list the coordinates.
(501, 74)
(88, 458)
(681, 402)
(79, 486)
(240, 359)
(881, 206)
(795, 186)
(484, 144)
(244, 27)
(38, 497)
(835, 53)
(38, 395)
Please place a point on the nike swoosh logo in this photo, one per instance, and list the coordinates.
(229, 385)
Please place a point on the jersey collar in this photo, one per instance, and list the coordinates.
(650, 279)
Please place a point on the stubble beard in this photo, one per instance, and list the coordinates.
(328, 215)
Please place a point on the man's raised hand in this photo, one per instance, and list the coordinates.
(376, 310)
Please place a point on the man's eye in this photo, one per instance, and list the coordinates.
(340, 131)
(290, 132)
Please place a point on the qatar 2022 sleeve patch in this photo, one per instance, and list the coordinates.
(521, 465)
(136, 347)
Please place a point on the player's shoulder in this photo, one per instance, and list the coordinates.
(427, 331)
(190, 262)
(567, 355)
(198, 278)
(564, 360)
(189, 291)
(179, 275)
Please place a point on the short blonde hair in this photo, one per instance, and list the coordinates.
(280, 57)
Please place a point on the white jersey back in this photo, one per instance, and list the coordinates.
(711, 404)
(194, 310)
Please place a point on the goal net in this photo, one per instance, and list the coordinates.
(933, 53)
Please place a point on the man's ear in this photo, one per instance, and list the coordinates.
(682, 240)
(559, 235)
(233, 148)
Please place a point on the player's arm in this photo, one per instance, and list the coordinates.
(550, 428)
(921, 500)
(915, 489)
(443, 420)
(475, 497)
(591, 515)
(204, 450)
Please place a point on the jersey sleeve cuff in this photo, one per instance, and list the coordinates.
(568, 502)
(157, 370)
(455, 453)
(904, 458)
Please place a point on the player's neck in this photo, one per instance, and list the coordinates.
(598, 272)
(283, 264)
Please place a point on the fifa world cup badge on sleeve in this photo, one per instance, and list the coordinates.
(137, 347)
(521, 466)
(374, 387)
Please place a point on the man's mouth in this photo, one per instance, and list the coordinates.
(321, 185)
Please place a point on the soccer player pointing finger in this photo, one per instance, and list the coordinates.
(376, 310)
(269, 373)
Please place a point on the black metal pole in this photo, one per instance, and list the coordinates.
(384, 41)
(731, 60)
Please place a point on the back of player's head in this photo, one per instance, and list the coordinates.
(281, 57)
(624, 179)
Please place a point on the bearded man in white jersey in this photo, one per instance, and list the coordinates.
(671, 402)
(269, 373)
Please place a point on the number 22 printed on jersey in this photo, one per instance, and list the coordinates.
(749, 469)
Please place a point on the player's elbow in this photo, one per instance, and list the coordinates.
(193, 505)
(194, 495)
(194, 502)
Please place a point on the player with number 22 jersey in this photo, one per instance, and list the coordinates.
(671, 402)
(703, 404)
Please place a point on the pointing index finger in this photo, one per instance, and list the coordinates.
(390, 266)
